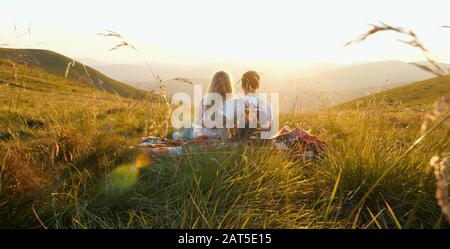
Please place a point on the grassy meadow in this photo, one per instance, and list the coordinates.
(67, 161)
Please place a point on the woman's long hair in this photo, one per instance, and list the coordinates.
(220, 84)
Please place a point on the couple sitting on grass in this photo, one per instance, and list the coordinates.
(225, 115)
(243, 117)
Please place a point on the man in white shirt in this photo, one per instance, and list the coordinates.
(249, 113)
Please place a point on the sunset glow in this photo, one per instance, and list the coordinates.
(205, 31)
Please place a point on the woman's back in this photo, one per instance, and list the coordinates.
(204, 123)
(210, 121)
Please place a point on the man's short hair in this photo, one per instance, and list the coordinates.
(250, 81)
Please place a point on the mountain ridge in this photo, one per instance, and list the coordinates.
(370, 74)
(67, 69)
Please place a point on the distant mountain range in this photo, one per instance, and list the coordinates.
(328, 85)
(374, 74)
(271, 70)
(330, 77)
(310, 86)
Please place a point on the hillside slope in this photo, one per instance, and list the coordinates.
(416, 94)
(59, 66)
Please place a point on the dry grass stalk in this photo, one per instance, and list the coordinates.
(440, 166)
(29, 29)
(161, 86)
(20, 34)
(111, 33)
(439, 105)
(13, 65)
(440, 108)
(86, 71)
(123, 44)
(435, 68)
(69, 65)
(383, 27)
(185, 80)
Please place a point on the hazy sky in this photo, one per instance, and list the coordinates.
(169, 31)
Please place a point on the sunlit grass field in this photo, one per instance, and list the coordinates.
(67, 161)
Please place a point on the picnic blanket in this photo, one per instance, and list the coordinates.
(297, 141)
(298, 137)
(157, 146)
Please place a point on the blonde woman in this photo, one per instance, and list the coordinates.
(210, 112)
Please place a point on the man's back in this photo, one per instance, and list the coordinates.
(250, 115)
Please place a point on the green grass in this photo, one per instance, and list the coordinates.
(66, 162)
